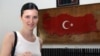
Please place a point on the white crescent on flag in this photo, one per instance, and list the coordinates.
(64, 22)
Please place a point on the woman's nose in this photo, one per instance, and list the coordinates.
(31, 20)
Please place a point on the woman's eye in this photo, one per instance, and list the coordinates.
(35, 17)
(27, 16)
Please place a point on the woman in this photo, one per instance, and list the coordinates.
(27, 44)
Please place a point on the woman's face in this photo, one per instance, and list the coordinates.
(30, 18)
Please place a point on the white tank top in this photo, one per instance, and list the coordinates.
(23, 46)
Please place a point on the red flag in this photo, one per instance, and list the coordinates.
(67, 24)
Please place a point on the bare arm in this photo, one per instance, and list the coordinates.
(7, 45)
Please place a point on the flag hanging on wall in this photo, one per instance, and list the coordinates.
(66, 24)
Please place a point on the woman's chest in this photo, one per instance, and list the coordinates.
(23, 47)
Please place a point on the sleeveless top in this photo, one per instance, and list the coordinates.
(24, 45)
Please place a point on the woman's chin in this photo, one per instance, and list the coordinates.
(31, 28)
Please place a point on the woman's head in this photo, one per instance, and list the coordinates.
(28, 6)
(29, 15)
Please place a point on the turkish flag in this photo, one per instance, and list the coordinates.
(66, 24)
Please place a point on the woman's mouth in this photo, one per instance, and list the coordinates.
(31, 25)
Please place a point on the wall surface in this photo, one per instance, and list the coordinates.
(10, 18)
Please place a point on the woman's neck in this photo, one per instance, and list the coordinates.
(27, 33)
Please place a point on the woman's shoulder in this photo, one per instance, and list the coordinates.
(41, 41)
(9, 37)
